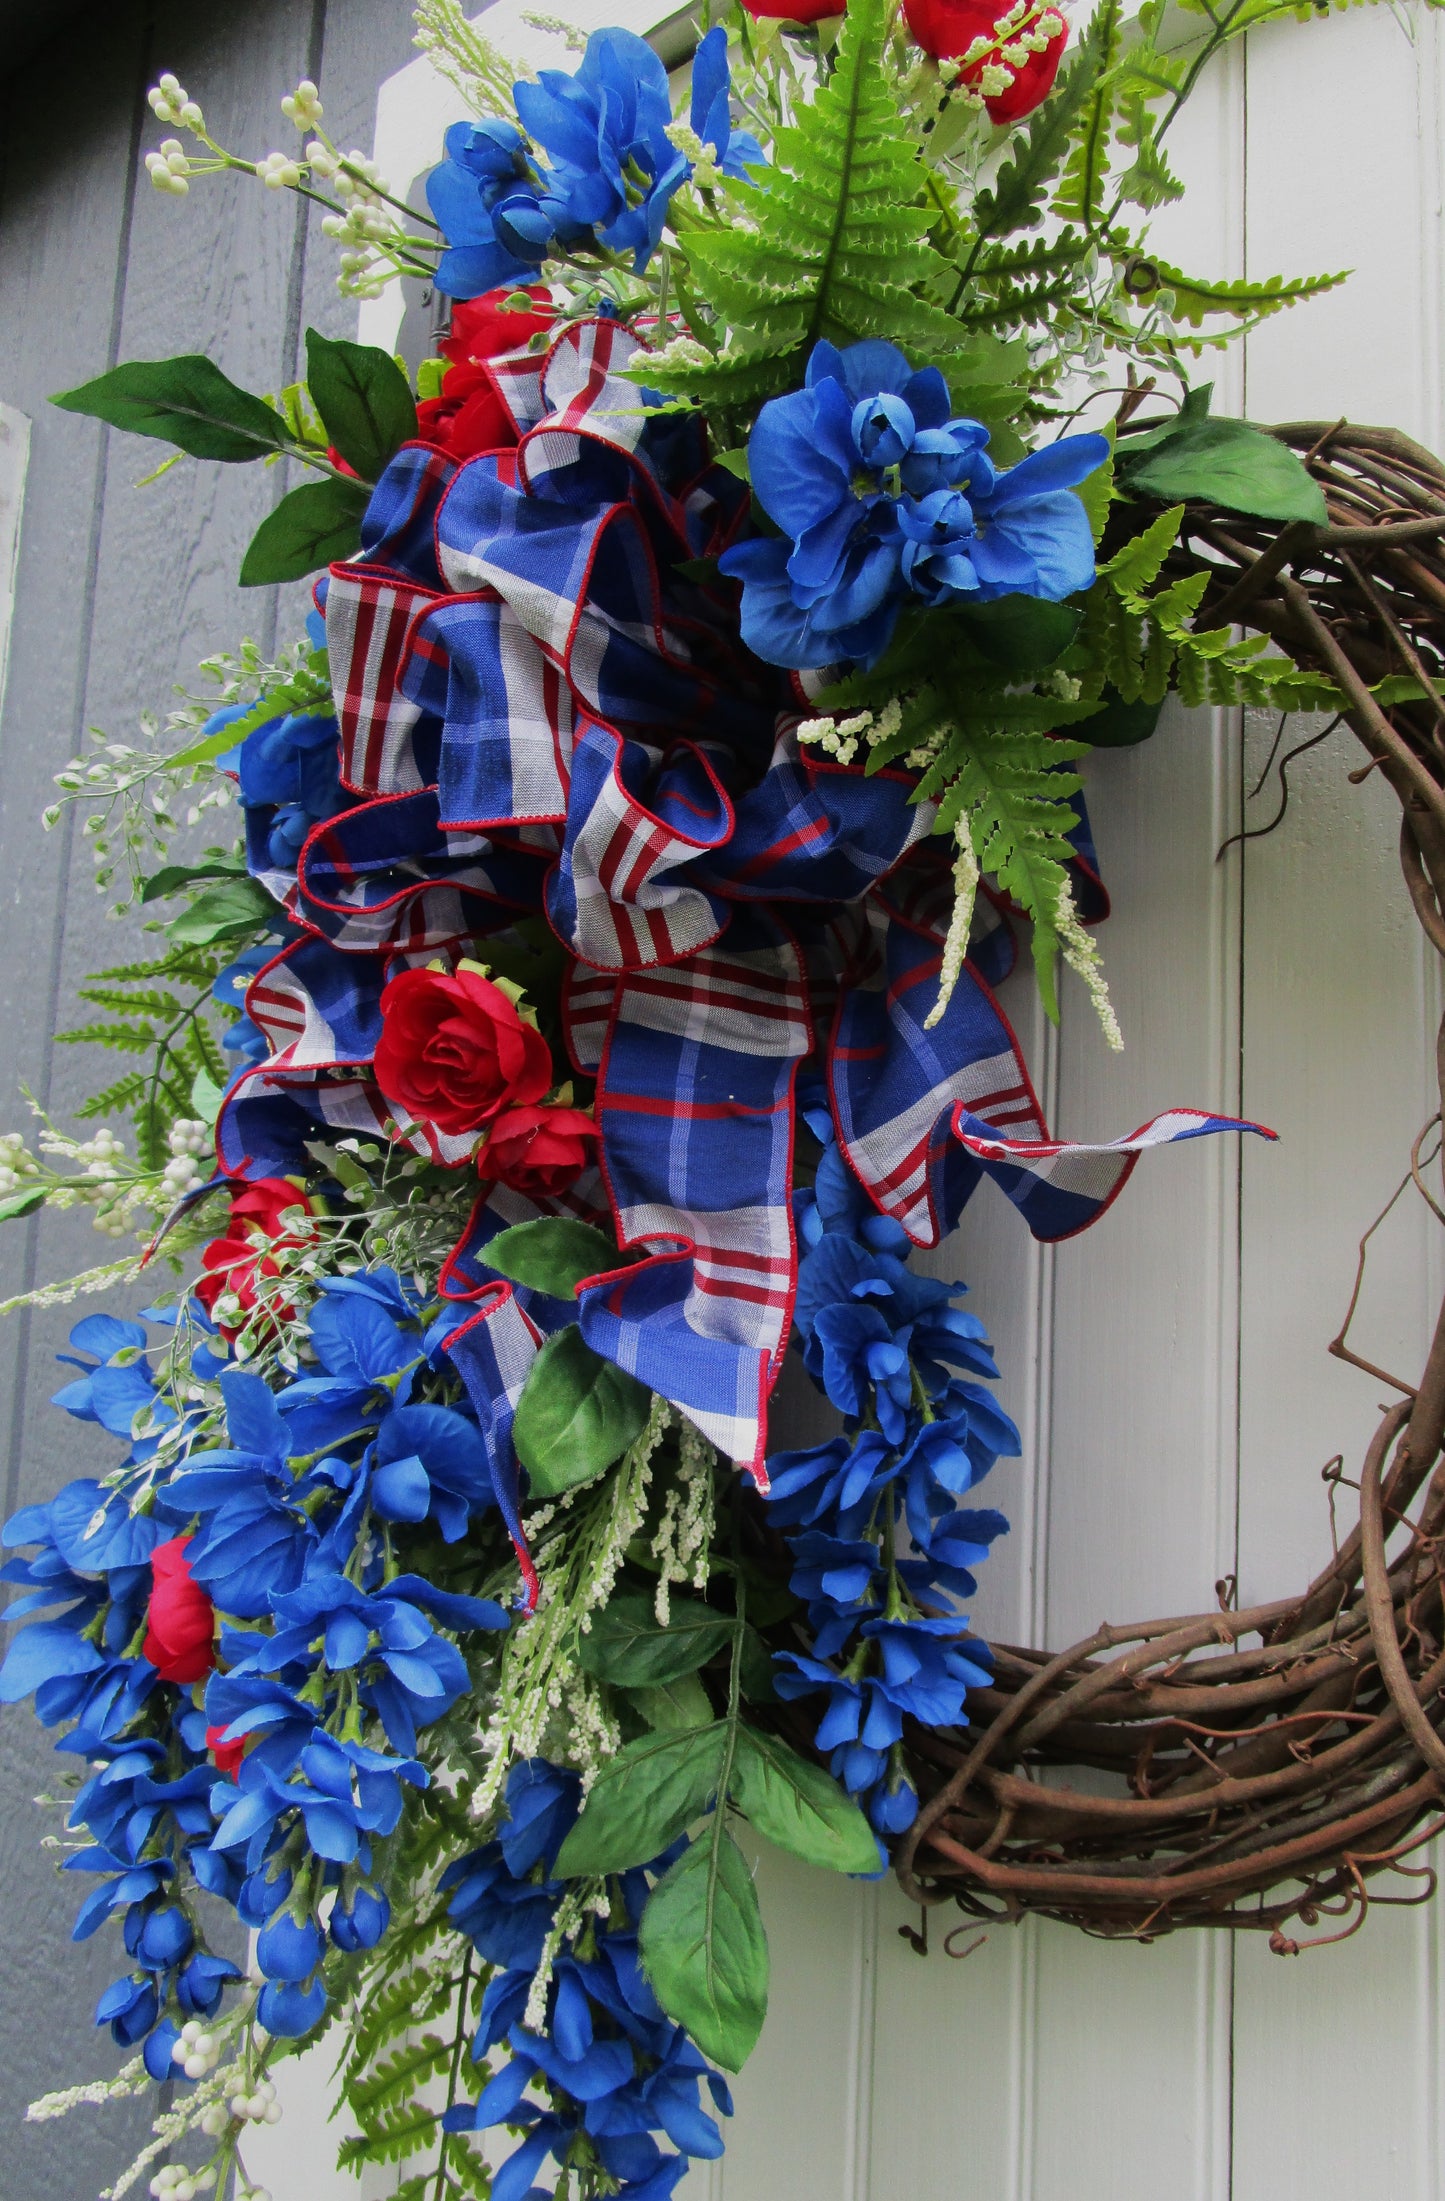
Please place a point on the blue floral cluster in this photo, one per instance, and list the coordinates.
(291, 1534)
(614, 2071)
(873, 1517)
(610, 173)
(880, 494)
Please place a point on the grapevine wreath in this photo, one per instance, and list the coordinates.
(595, 999)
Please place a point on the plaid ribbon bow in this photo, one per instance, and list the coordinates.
(542, 708)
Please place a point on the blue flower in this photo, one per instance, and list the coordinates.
(359, 1919)
(834, 1576)
(255, 1531)
(289, 1947)
(488, 199)
(292, 760)
(854, 1355)
(831, 1484)
(429, 1460)
(1018, 533)
(877, 492)
(200, 1985)
(290, 2011)
(408, 1673)
(130, 2007)
(949, 1551)
(610, 173)
(341, 1792)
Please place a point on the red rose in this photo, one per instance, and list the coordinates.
(226, 1756)
(453, 1049)
(469, 416)
(235, 1264)
(180, 1624)
(794, 11)
(539, 1150)
(483, 328)
(947, 28)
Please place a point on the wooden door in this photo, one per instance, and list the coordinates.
(1168, 1369)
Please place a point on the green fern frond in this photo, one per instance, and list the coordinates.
(146, 1001)
(832, 241)
(133, 1039)
(1016, 199)
(1079, 197)
(123, 1094)
(1245, 299)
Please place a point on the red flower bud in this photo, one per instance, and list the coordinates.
(235, 1263)
(180, 1624)
(539, 1150)
(226, 1756)
(469, 416)
(453, 1050)
(947, 28)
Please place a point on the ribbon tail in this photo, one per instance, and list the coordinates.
(492, 1352)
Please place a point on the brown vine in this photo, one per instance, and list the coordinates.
(1258, 1768)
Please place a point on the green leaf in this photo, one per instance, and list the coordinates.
(1248, 301)
(704, 1949)
(217, 913)
(626, 1645)
(1024, 634)
(206, 1097)
(553, 1254)
(172, 877)
(1096, 491)
(756, 1663)
(185, 401)
(310, 527)
(799, 1806)
(363, 399)
(643, 1798)
(21, 1203)
(1228, 463)
(577, 1414)
(1121, 725)
(673, 1705)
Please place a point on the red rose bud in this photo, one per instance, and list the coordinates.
(484, 327)
(1012, 77)
(469, 416)
(180, 1624)
(539, 1150)
(225, 1756)
(454, 1049)
(235, 1264)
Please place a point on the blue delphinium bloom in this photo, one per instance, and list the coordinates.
(612, 2068)
(610, 171)
(878, 491)
(880, 1543)
(489, 200)
(289, 774)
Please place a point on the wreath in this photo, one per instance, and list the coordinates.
(595, 1001)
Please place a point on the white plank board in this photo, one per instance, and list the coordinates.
(14, 460)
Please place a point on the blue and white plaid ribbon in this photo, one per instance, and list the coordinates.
(541, 707)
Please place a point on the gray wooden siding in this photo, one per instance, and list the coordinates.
(120, 592)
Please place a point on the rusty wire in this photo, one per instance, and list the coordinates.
(1263, 1767)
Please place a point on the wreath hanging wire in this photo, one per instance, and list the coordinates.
(1261, 1766)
